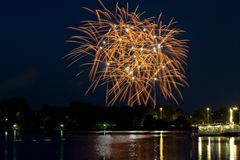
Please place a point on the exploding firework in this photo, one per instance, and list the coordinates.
(134, 58)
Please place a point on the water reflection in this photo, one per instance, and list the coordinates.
(103, 146)
(6, 146)
(209, 149)
(233, 149)
(192, 153)
(165, 146)
(129, 146)
(199, 148)
(61, 153)
(124, 146)
(145, 146)
(132, 149)
(218, 148)
(14, 151)
(161, 146)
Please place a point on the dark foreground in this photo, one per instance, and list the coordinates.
(159, 146)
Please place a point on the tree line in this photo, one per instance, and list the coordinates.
(79, 116)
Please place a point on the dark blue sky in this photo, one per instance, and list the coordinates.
(32, 35)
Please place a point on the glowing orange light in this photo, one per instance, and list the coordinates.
(142, 56)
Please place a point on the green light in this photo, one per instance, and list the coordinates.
(62, 125)
(104, 126)
(15, 126)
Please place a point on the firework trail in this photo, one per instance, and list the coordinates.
(134, 58)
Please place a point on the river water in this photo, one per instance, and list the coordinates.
(166, 145)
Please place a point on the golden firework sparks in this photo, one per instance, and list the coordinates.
(135, 59)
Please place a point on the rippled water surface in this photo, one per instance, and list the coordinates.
(171, 145)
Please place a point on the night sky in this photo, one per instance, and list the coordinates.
(32, 35)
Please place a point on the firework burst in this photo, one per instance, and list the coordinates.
(135, 59)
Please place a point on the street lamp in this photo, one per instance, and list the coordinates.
(15, 127)
(236, 108)
(231, 116)
(208, 109)
(61, 127)
(161, 110)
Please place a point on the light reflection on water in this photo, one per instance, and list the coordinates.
(103, 146)
(152, 147)
(161, 146)
(233, 148)
(218, 148)
(200, 148)
(209, 149)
